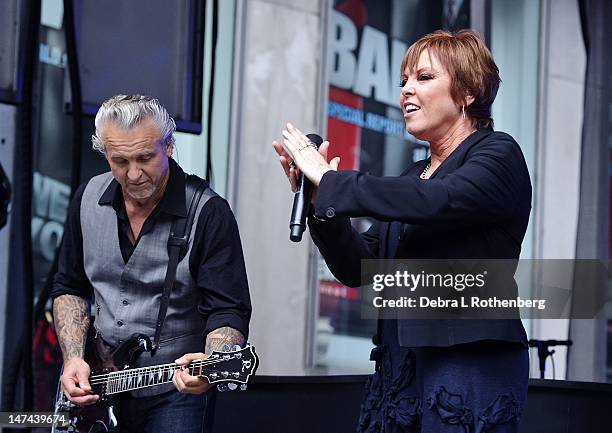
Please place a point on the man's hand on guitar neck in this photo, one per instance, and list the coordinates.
(75, 382)
(215, 341)
(187, 383)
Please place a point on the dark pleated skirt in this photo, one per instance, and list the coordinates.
(475, 387)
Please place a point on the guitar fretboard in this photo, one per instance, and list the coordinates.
(136, 378)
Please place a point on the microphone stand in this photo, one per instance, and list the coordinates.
(544, 352)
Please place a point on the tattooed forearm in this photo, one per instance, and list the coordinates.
(71, 317)
(222, 336)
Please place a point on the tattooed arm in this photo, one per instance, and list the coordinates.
(71, 317)
(221, 337)
(216, 340)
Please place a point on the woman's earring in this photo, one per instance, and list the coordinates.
(463, 111)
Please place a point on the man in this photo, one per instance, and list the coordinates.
(115, 247)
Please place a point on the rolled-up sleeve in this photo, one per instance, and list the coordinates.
(217, 265)
(70, 278)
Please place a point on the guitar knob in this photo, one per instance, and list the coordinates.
(225, 374)
(236, 348)
(222, 387)
(243, 387)
(232, 386)
(225, 348)
(213, 375)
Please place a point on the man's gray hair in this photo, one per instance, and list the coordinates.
(127, 111)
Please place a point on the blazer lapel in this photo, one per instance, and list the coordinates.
(390, 232)
(457, 158)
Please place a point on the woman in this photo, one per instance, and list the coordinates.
(470, 199)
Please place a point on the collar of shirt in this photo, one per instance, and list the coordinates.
(172, 202)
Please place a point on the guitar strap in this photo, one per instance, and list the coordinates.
(196, 190)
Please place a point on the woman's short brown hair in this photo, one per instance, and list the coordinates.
(470, 65)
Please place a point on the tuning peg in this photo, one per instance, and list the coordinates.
(243, 387)
(232, 386)
(222, 387)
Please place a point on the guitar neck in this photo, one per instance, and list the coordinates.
(234, 367)
(144, 377)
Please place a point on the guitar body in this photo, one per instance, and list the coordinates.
(112, 375)
(99, 417)
(102, 415)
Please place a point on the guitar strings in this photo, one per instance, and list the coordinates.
(116, 382)
(158, 366)
(99, 379)
(119, 381)
(164, 368)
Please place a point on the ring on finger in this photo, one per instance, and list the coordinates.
(292, 164)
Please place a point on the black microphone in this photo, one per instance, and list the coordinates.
(301, 200)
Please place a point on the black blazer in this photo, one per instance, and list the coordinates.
(475, 205)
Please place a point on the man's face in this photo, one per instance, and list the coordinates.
(138, 159)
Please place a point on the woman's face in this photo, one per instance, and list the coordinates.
(426, 102)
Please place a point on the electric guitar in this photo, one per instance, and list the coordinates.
(229, 370)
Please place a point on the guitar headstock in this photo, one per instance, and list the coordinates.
(235, 366)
